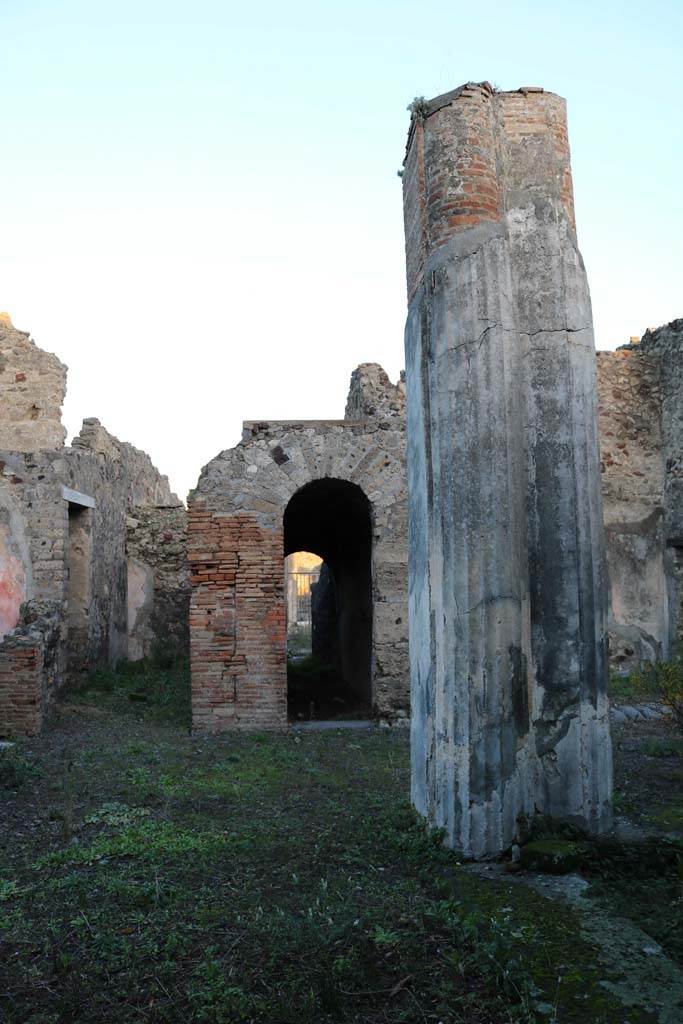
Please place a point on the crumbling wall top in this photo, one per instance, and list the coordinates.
(667, 339)
(474, 154)
(32, 389)
(145, 484)
(371, 393)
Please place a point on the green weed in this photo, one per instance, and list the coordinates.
(655, 747)
(661, 681)
(212, 998)
(16, 768)
(272, 880)
(147, 841)
(163, 689)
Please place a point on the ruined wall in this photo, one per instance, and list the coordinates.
(237, 620)
(506, 570)
(236, 553)
(158, 581)
(40, 524)
(32, 389)
(116, 476)
(30, 659)
(15, 560)
(372, 394)
(242, 496)
(641, 435)
(130, 472)
(33, 650)
(633, 477)
(640, 395)
(666, 344)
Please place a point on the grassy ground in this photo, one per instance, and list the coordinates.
(147, 875)
(648, 763)
(648, 792)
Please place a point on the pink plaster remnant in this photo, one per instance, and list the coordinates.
(12, 584)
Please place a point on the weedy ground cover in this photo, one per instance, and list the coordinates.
(147, 875)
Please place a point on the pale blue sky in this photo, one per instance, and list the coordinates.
(200, 211)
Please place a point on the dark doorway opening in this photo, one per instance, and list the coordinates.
(331, 518)
(79, 588)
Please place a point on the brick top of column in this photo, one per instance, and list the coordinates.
(474, 153)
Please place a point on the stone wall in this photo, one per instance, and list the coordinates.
(666, 344)
(136, 591)
(633, 474)
(641, 439)
(15, 560)
(158, 581)
(249, 481)
(32, 389)
(371, 394)
(236, 548)
(118, 477)
(114, 475)
(63, 511)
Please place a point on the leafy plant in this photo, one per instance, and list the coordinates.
(670, 680)
(661, 680)
(116, 814)
(212, 997)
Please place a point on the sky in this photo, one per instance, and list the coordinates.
(200, 210)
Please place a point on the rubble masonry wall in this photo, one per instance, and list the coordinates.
(38, 645)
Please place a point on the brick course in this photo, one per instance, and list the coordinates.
(237, 622)
(465, 166)
(21, 690)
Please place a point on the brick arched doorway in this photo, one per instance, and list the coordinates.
(236, 550)
(332, 518)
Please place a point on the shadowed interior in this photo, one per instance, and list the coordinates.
(79, 590)
(332, 519)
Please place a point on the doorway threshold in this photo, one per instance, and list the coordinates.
(355, 723)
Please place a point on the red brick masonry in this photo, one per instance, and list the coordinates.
(237, 622)
(21, 682)
(462, 166)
